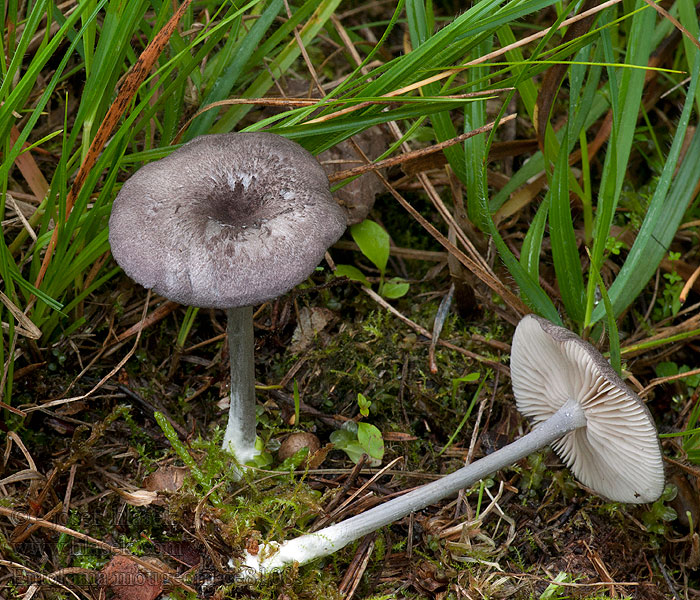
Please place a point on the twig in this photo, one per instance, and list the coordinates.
(515, 303)
(667, 578)
(357, 567)
(676, 23)
(688, 286)
(159, 313)
(25, 325)
(284, 102)
(38, 575)
(12, 436)
(69, 490)
(338, 511)
(20, 216)
(340, 494)
(402, 158)
(659, 380)
(457, 229)
(302, 49)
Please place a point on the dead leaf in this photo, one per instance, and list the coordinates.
(398, 436)
(252, 546)
(25, 326)
(428, 578)
(123, 576)
(184, 553)
(694, 557)
(138, 497)
(314, 461)
(29, 169)
(165, 479)
(311, 322)
(72, 408)
(686, 503)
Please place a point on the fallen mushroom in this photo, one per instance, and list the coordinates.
(227, 221)
(597, 425)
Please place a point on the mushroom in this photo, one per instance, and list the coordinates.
(597, 425)
(227, 221)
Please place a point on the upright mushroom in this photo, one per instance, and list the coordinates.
(227, 221)
(598, 426)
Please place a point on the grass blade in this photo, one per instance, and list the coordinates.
(664, 213)
(631, 85)
(567, 263)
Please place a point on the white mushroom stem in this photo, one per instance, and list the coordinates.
(306, 548)
(239, 438)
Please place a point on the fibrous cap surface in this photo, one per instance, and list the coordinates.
(226, 220)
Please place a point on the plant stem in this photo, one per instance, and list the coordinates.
(184, 455)
(239, 438)
(331, 539)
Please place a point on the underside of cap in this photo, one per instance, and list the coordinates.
(226, 220)
(617, 453)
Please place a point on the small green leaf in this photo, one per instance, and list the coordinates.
(692, 380)
(261, 461)
(394, 288)
(346, 441)
(370, 439)
(373, 242)
(295, 461)
(666, 369)
(364, 404)
(469, 378)
(355, 452)
(668, 514)
(670, 492)
(352, 273)
(340, 438)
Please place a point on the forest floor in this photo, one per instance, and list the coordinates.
(95, 494)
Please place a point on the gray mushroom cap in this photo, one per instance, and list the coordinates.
(617, 453)
(226, 220)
